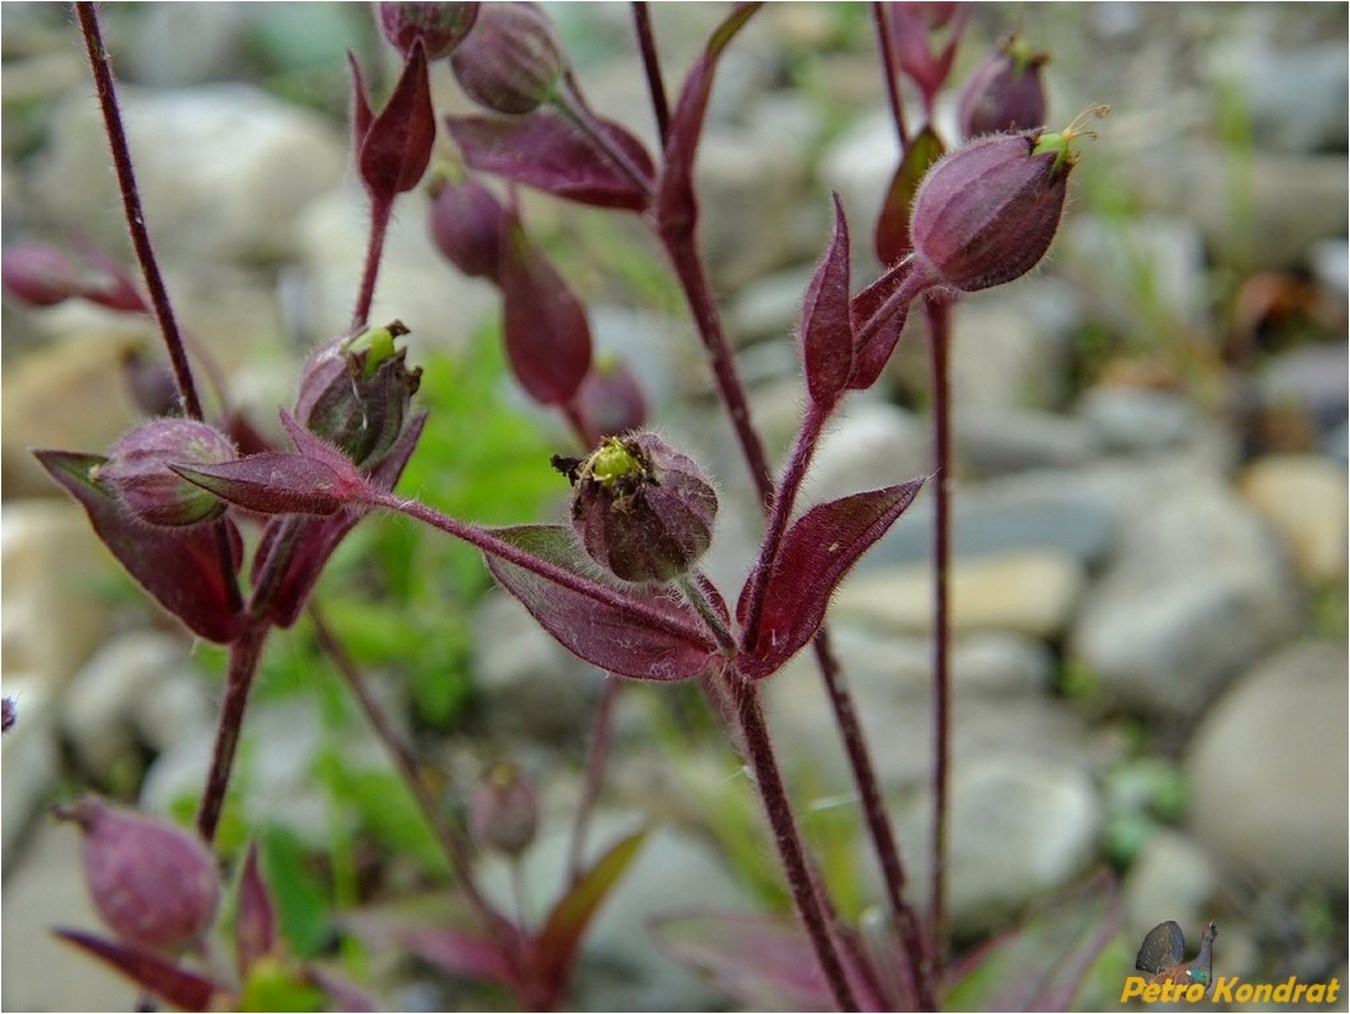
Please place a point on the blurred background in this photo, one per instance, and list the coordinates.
(1151, 496)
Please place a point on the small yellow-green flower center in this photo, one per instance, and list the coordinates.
(612, 460)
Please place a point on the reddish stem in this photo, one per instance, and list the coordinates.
(651, 64)
(791, 850)
(245, 651)
(381, 208)
(602, 738)
(939, 325)
(132, 210)
(889, 64)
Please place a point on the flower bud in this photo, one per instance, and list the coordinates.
(1005, 92)
(154, 884)
(467, 224)
(39, 275)
(137, 471)
(641, 510)
(986, 213)
(150, 382)
(504, 812)
(511, 62)
(610, 400)
(440, 26)
(9, 715)
(355, 392)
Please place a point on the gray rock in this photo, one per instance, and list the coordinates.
(769, 307)
(873, 444)
(895, 708)
(1173, 878)
(1267, 790)
(996, 441)
(1078, 512)
(103, 701)
(1305, 388)
(53, 564)
(1291, 94)
(1012, 348)
(1331, 265)
(1026, 591)
(223, 170)
(1115, 262)
(416, 284)
(530, 685)
(1135, 419)
(1303, 498)
(1020, 828)
(1195, 592)
(30, 758)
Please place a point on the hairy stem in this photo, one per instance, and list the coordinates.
(245, 652)
(939, 324)
(380, 211)
(651, 64)
(791, 850)
(132, 210)
(682, 250)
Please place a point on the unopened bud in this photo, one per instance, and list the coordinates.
(641, 510)
(504, 813)
(511, 61)
(39, 275)
(610, 399)
(137, 471)
(986, 213)
(355, 392)
(151, 383)
(1005, 92)
(467, 224)
(154, 884)
(440, 26)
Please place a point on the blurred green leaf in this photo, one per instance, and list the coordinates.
(300, 896)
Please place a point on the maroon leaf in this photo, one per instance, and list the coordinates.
(309, 541)
(275, 482)
(760, 962)
(649, 637)
(676, 206)
(396, 146)
(548, 340)
(549, 152)
(180, 567)
(461, 954)
(1041, 965)
(827, 331)
(361, 111)
(560, 939)
(151, 972)
(817, 552)
(892, 239)
(255, 921)
(872, 353)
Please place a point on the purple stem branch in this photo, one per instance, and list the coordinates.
(689, 268)
(791, 850)
(651, 64)
(131, 207)
(889, 64)
(939, 325)
(487, 542)
(597, 757)
(245, 651)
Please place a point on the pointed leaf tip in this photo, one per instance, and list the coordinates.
(827, 330)
(818, 550)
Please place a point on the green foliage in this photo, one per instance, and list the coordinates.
(300, 895)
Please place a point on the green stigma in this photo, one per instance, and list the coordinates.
(378, 344)
(612, 460)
